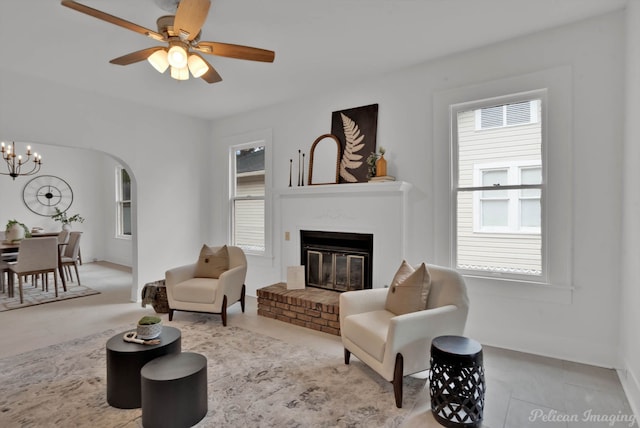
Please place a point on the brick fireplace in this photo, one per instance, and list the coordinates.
(376, 210)
(313, 308)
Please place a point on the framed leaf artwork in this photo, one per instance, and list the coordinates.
(356, 129)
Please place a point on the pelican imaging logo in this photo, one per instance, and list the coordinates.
(554, 416)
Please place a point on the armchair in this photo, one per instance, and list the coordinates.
(186, 292)
(399, 345)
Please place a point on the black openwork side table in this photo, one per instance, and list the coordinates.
(456, 382)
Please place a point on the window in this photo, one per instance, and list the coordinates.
(507, 211)
(123, 203)
(247, 196)
(498, 185)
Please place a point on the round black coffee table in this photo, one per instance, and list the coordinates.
(124, 361)
(174, 391)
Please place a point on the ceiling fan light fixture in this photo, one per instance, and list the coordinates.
(159, 60)
(180, 73)
(197, 65)
(177, 55)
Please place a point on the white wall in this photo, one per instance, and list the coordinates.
(586, 328)
(629, 314)
(91, 176)
(160, 150)
(75, 167)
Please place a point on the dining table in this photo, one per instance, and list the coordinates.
(14, 247)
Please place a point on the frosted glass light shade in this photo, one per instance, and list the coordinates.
(159, 60)
(197, 65)
(180, 73)
(177, 56)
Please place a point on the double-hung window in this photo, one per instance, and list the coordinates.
(247, 196)
(498, 186)
(507, 211)
(123, 203)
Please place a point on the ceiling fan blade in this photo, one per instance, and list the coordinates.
(236, 51)
(137, 56)
(211, 76)
(112, 19)
(190, 18)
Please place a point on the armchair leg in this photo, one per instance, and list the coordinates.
(170, 314)
(224, 311)
(347, 356)
(397, 380)
(242, 297)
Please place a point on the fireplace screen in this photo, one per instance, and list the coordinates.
(337, 261)
(341, 272)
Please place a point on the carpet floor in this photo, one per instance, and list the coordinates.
(253, 381)
(35, 296)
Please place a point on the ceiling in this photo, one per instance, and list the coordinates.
(318, 44)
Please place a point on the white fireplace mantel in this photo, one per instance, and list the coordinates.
(356, 189)
(377, 208)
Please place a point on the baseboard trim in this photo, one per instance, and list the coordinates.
(631, 388)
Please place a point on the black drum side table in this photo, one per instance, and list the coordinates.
(456, 382)
(124, 361)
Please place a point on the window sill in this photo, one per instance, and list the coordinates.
(519, 289)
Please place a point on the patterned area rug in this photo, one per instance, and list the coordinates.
(253, 381)
(35, 295)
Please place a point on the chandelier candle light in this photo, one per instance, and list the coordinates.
(16, 167)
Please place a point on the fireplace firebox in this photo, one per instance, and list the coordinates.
(339, 261)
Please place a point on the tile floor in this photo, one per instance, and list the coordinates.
(523, 390)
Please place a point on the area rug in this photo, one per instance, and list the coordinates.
(253, 381)
(35, 296)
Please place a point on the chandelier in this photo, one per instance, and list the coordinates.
(19, 166)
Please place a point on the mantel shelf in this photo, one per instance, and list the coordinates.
(371, 188)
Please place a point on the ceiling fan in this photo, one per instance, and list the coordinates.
(182, 34)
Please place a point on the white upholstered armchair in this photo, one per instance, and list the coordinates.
(189, 290)
(399, 345)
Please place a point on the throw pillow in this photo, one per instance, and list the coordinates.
(212, 262)
(405, 293)
(426, 287)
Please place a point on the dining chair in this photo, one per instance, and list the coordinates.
(70, 255)
(4, 269)
(7, 256)
(63, 236)
(36, 256)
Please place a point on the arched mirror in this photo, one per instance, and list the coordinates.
(324, 160)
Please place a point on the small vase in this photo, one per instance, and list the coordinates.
(66, 226)
(381, 166)
(14, 233)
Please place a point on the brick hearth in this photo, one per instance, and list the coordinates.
(309, 307)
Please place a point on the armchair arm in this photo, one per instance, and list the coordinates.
(411, 334)
(230, 284)
(356, 302)
(179, 274)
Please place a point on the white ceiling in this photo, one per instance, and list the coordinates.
(318, 44)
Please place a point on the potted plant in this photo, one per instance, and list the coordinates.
(149, 327)
(371, 164)
(66, 220)
(15, 231)
(377, 164)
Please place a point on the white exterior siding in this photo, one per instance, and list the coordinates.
(249, 215)
(492, 147)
